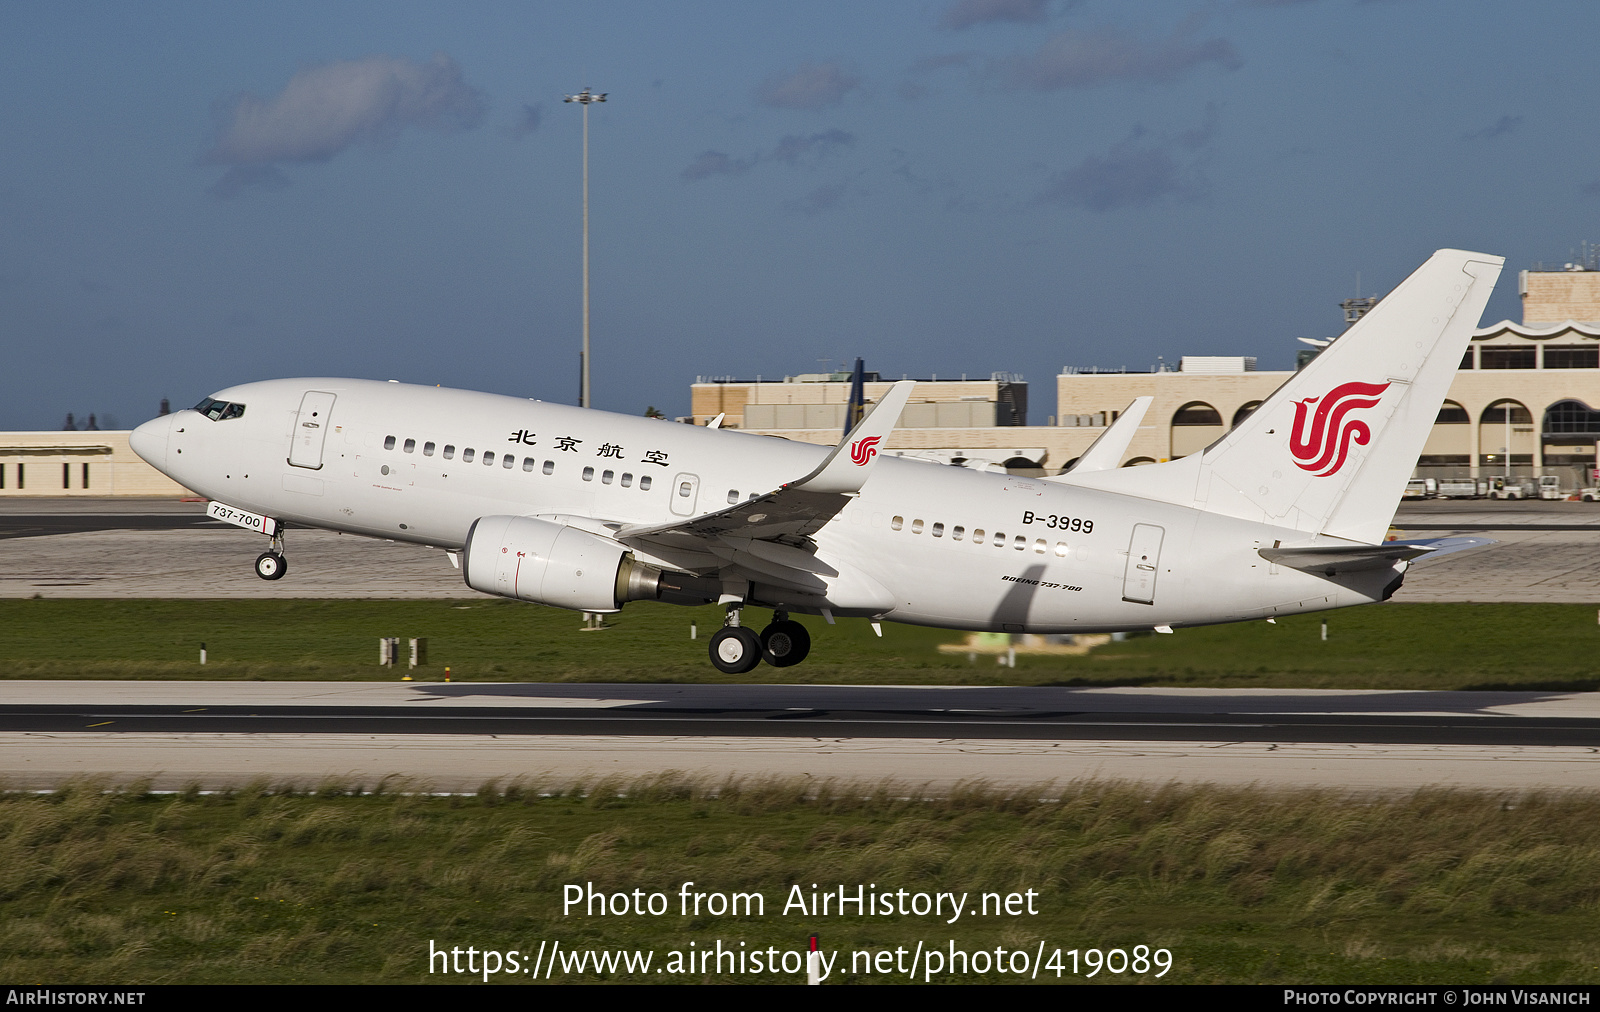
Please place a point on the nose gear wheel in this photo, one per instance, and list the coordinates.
(271, 566)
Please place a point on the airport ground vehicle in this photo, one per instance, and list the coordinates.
(1512, 488)
(1544, 486)
(1462, 488)
(589, 510)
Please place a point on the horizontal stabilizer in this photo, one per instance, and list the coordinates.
(1335, 559)
(1440, 547)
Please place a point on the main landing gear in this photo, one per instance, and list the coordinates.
(270, 564)
(736, 649)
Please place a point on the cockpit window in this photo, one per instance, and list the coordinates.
(219, 411)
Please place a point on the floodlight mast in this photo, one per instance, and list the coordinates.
(585, 98)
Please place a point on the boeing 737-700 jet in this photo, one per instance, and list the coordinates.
(589, 510)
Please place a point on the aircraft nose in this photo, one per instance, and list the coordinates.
(149, 441)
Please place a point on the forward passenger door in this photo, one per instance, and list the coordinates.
(311, 429)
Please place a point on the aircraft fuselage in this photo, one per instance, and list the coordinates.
(934, 545)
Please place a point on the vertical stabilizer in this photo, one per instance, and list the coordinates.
(1330, 451)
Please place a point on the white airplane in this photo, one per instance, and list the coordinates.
(589, 510)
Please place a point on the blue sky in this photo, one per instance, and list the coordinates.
(194, 195)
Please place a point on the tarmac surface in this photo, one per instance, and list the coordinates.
(122, 548)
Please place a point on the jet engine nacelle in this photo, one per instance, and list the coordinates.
(549, 563)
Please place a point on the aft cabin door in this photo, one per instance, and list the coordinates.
(1144, 555)
(311, 429)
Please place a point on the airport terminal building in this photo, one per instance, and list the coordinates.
(70, 463)
(1545, 369)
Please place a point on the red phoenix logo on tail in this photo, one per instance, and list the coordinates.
(863, 450)
(1322, 443)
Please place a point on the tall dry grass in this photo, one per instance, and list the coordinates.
(347, 881)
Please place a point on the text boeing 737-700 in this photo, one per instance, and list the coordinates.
(589, 510)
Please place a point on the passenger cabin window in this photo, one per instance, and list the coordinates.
(466, 455)
(388, 442)
(527, 463)
(588, 474)
(411, 446)
(1061, 549)
(896, 523)
(1000, 538)
(1038, 547)
(957, 532)
(427, 449)
(916, 527)
(627, 479)
(606, 476)
(938, 530)
(508, 461)
(488, 459)
(549, 467)
(644, 483)
(685, 488)
(733, 495)
(1020, 542)
(977, 535)
(449, 451)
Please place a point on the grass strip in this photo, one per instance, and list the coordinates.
(1413, 646)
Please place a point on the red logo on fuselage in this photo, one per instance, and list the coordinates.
(863, 450)
(1321, 442)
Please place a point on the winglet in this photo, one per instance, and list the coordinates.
(1107, 451)
(846, 469)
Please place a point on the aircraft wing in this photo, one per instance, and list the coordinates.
(800, 507)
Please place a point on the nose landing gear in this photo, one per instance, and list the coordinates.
(270, 564)
(736, 650)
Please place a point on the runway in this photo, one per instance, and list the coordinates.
(456, 736)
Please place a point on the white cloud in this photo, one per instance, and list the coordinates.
(1075, 59)
(966, 13)
(325, 109)
(791, 150)
(813, 86)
